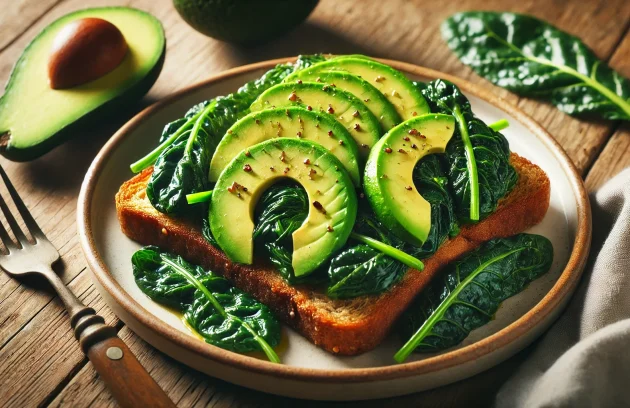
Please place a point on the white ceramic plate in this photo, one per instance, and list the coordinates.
(310, 372)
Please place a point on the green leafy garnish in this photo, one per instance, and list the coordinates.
(222, 314)
(480, 173)
(533, 58)
(471, 291)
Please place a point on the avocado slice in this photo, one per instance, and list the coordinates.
(34, 118)
(323, 98)
(397, 88)
(293, 122)
(388, 177)
(330, 191)
(375, 101)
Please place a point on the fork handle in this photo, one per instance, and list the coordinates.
(130, 384)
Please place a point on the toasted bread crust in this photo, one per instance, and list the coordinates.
(347, 327)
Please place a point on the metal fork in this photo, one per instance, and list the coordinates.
(128, 381)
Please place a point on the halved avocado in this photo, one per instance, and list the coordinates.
(332, 197)
(388, 178)
(34, 118)
(375, 101)
(293, 122)
(349, 110)
(396, 87)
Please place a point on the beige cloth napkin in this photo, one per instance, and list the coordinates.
(584, 359)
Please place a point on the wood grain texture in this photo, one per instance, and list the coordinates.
(40, 362)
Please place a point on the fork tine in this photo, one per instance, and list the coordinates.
(29, 221)
(12, 222)
(6, 239)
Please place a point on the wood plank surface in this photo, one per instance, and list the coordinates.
(40, 362)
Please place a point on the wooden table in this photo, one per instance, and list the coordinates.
(40, 361)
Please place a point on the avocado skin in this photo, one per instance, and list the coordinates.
(244, 22)
(110, 108)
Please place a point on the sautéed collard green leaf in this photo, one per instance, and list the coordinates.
(471, 290)
(533, 58)
(187, 145)
(480, 173)
(222, 314)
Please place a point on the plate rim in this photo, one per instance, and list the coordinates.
(563, 287)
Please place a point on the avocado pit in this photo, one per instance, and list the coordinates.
(84, 50)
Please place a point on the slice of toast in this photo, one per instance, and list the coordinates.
(346, 327)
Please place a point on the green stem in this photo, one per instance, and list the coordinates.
(499, 125)
(470, 162)
(389, 250)
(200, 197)
(271, 354)
(438, 314)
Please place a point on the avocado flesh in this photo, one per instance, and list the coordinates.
(35, 118)
(324, 231)
(388, 175)
(375, 101)
(397, 88)
(291, 122)
(346, 108)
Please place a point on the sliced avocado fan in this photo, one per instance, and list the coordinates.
(388, 178)
(34, 118)
(397, 88)
(292, 122)
(331, 194)
(349, 110)
(375, 101)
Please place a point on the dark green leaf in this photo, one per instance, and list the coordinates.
(187, 144)
(361, 270)
(222, 314)
(533, 58)
(431, 181)
(470, 291)
(495, 174)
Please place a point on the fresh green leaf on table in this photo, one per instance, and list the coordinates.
(533, 58)
(470, 291)
(479, 173)
(222, 314)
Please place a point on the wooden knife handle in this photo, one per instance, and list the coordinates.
(130, 384)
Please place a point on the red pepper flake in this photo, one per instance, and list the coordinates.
(357, 126)
(311, 173)
(413, 146)
(340, 142)
(330, 228)
(272, 168)
(408, 188)
(388, 150)
(245, 189)
(307, 161)
(406, 138)
(330, 133)
(283, 156)
(247, 168)
(413, 132)
(299, 134)
(384, 176)
(258, 121)
(234, 188)
(422, 137)
(337, 181)
(366, 100)
(299, 81)
(248, 154)
(402, 151)
(325, 87)
(286, 170)
(330, 109)
(309, 107)
(319, 207)
(333, 85)
(414, 114)
(293, 97)
(230, 131)
(356, 114)
(379, 79)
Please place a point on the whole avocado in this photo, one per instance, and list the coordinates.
(244, 22)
